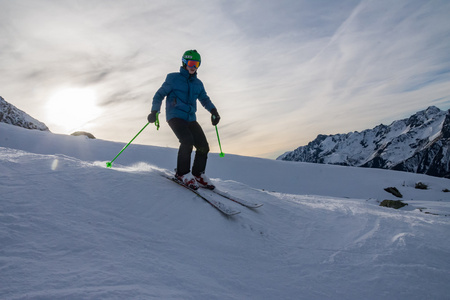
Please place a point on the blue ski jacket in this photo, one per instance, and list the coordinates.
(182, 91)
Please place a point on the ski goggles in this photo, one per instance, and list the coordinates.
(192, 63)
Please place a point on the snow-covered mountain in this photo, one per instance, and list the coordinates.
(71, 228)
(418, 144)
(10, 114)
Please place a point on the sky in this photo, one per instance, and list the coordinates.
(279, 72)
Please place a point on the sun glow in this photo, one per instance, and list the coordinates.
(72, 108)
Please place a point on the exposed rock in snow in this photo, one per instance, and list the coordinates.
(87, 134)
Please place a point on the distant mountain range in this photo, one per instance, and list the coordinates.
(419, 144)
(12, 115)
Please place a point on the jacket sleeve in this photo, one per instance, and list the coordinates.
(205, 100)
(161, 93)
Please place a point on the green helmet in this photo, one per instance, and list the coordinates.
(191, 55)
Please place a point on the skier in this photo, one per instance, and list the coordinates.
(182, 90)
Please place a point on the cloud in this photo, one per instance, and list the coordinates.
(280, 72)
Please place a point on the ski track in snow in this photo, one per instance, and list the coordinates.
(71, 228)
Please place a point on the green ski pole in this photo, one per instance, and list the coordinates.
(220, 146)
(109, 164)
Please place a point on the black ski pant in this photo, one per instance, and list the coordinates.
(190, 134)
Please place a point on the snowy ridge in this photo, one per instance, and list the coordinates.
(419, 144)
(10, 114)
(70, 228)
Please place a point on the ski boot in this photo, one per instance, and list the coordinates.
(188, 180)
(204, 182)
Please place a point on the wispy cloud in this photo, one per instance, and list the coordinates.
(280, 72)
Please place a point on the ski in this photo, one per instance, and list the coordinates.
(243, 202)
(217, 204)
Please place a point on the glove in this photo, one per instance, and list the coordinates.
(152, 116)
(215, 118)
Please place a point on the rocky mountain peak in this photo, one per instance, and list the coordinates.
(420, 144)
(10, 114)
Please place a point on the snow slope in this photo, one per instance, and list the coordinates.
(70, 228)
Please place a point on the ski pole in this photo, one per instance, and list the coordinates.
(109, 164)
(156, 122)
(220, 146)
